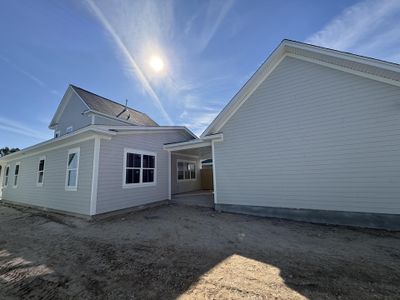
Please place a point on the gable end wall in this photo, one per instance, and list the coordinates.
(315, 138)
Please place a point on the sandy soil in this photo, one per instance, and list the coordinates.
(192, 253)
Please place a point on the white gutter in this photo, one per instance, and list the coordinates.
(90, 128)
(218, 137)
(197, 143)
(121, 129)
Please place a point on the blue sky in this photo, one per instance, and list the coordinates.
(210, 49)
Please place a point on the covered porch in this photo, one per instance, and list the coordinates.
(202, 198)
(191, 182)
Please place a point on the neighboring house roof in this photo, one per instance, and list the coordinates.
(368, 67)
(105, 107)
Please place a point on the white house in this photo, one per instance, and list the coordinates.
(313, 135)
(104, 157)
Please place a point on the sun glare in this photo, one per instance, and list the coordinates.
(156, 63)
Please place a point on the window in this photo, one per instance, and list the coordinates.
(139, 168)
(71, 182)
(69, 129)
(16, 174)
(6, 176)
(57, 134)
(40, 175)
(186, 170)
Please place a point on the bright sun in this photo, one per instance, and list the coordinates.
(156, 63)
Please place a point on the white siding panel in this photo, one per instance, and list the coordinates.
(111, 195)
(53, 194)
(72, 115)
(316, 138)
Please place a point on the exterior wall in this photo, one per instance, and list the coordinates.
(185, 185)
(111, 195)
(312, 137)
(52, 194)
(2, 170)
(72, 115)
(98, 120)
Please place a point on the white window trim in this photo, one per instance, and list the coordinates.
(57, 134)
(186, 161)
(5, 183)
(40, 184)
(140, 183)
(75, 187)
(18, 176)
(69, 129)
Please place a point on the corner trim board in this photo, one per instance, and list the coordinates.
(169, 175)
(214, 172)
(95, 176)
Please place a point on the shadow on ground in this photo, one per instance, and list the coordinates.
(187, 252)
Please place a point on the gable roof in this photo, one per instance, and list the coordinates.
(114, 109)
(368, 67)
(103, 106)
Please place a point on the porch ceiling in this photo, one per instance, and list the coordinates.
(200, 148)
(202, 152)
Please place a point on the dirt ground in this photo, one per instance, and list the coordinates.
(192, 253)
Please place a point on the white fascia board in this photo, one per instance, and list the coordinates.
(144, 129)
(347, 70)
(345, 55)
(219, 137)
(248, 88)
(187, 145)
(277, 56)
(71, 138)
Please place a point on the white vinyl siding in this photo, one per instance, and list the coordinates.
(72, 118)
(111, 195)
(52, 194)
(139, 168)
(41, 170)
(316, 138)
(71, 181)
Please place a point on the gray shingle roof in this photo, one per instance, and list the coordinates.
(106, 106)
